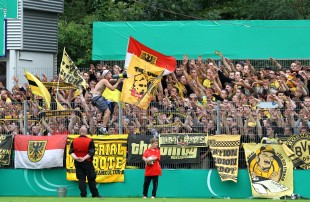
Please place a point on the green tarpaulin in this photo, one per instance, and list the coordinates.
(241, 39)
(11, 7)
(2, 34)
(8, 9)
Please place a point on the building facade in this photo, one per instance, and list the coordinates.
(31, 40)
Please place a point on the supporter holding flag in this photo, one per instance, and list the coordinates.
(140, 88)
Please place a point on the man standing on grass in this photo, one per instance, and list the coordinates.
(151, 157)
(82, 150)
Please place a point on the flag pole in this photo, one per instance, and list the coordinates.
(57, 89)
(151, 86)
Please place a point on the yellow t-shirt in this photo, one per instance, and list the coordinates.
(207, 83)
(290, 84)
(181, 88)
(8, 100)
(274, 85)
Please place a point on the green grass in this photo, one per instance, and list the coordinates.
(77, 199)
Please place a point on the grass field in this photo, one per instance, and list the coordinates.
(76, 199)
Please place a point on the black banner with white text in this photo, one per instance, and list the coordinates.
(137, 144)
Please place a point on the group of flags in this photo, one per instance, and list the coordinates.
(69, 73)
(144, 66)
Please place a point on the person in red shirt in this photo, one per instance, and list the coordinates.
(82, 150)
(151, 157)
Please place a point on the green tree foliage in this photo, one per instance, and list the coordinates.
(75, 25)
(75, 31)
(277, 9)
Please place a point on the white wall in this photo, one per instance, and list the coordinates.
(33, 62)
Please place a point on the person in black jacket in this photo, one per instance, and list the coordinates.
(82, 150)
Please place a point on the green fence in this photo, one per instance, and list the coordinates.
(237, 39)
(173, 184)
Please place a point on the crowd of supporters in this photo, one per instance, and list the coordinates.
(186, 101)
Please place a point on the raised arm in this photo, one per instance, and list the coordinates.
(228, 67)
(108, 85)
(50, 130)
(276, 63)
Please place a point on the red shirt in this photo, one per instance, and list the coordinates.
(82, 146)
(155, 169)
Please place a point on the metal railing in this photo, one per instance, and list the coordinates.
(252, 123)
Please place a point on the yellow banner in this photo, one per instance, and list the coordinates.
(143, 80)
(69, 73)
(270, 170)
(225, 151)
(109, 160)
(59, 85)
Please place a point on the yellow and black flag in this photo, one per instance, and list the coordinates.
(297, 147)
(69, 73)
(37, 88)
(139, 88)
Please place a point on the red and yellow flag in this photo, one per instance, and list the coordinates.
(156, 58)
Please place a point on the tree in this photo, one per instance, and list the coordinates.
(75, 31)
(75, 25)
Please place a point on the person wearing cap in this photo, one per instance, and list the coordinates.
(99, 101)
(82, 150)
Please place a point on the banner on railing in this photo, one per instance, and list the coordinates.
(6, 142)
(183, 139)
(109, 159)
(137, 144)
(59, 113)
(37, 152)
(30, 118)
(297, 147)
(225, 152)
(59, 85)
(270, 170)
